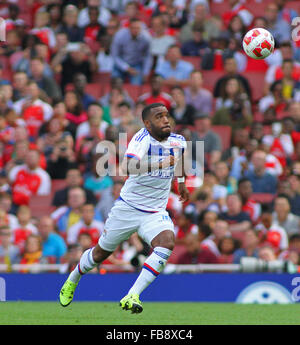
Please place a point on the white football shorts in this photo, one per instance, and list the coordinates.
(123, 220)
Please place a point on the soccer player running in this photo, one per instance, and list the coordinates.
(150, 161)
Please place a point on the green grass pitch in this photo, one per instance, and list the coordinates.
(109, 313)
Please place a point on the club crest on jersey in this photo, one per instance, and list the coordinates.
(174, 143)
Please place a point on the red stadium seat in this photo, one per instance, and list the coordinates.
(224, 133)
(27, 17)
(40, 205)
(134, 91)
(102, 77)
(7, 74)
(145, 88)
(262, 197)
(295, 5)
(210, 78)
(256, 8)
(219, 8)
(58, 184)
(94, 89)
(257, 82)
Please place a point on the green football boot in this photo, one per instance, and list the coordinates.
(67, 293)
(132, 302)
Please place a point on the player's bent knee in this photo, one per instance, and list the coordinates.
(165, 239)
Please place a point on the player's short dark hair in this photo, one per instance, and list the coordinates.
(147, 110)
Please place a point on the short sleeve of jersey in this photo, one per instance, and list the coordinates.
(139, 145)
(182, 142)
(184, 145)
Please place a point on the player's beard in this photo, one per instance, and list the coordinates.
(160, 133)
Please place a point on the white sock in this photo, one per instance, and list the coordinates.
(86, 264)
(153, 265)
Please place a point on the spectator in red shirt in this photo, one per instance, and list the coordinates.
(237, 9)
(29, 179)
(156, 95)
(184, 227)
(250, 206)
(33, 109)
(271, 233)
(93, 29)
(195, 254)
(24, 228)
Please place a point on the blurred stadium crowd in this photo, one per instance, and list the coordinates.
(73, 73)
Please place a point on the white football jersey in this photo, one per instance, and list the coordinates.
(149, 192)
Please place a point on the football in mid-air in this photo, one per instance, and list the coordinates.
(258, 43)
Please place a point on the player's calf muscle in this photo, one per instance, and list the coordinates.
(100, 254)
